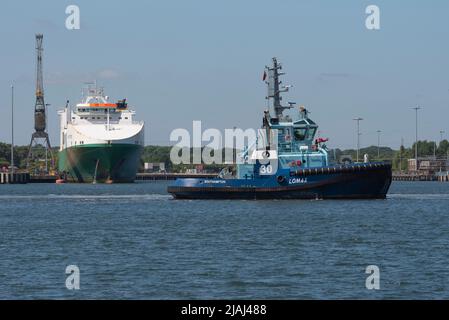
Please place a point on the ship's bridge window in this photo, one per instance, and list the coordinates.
(300, 133)
(310, 133)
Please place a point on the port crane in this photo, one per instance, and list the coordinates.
(40, 135)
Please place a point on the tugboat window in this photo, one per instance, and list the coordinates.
(300, 134)
(311, 133)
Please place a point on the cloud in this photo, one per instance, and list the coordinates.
(331, 77)
(44, 24)
(71, 78)
(336, 75)
(56, 77)
(108, 74)
(63, 78)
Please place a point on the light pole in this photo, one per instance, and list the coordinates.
(416, 134)
(12, 130)
(378, 144)
(434, 150)
(358, 119)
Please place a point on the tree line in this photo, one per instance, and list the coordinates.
(161, 154)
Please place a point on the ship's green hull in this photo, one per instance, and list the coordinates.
(112, 163)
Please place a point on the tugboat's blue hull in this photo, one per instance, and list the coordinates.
(358, 181)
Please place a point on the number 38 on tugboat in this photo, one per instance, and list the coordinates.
(294, 163)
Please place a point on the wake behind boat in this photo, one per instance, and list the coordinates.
(294, 165)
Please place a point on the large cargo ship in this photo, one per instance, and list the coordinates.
(100, 140)
(294, 164)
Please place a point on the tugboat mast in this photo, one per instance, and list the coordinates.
(275, 89)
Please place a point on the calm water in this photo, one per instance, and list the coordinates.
(133, 241)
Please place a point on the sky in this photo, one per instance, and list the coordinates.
(179, 61)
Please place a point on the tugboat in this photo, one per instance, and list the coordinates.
(294, 163)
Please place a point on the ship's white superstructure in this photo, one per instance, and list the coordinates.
(97, 121)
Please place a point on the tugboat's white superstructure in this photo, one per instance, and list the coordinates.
(99, 140)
